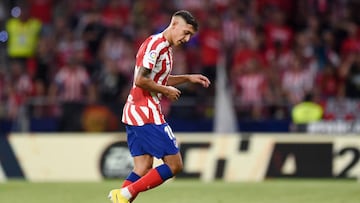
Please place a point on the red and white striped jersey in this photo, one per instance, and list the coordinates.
(72, 83)
(143, 107)
(251, 88)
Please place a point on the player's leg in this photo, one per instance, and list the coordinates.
(132, 177)
(153, 178)
(156, 176)
(174, 162)
(142, 164)
(158, 141)
(161, 143)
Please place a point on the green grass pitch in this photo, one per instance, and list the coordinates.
(189, 191)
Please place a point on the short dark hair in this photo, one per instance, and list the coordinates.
(188, 17)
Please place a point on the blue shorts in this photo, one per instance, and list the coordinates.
(155, 140)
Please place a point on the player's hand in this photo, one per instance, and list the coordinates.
(201, 79)
(172, 93)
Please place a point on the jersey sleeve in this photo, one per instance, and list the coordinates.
(149, 52)
(150, 58)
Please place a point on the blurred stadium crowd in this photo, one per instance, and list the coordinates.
(74, 59)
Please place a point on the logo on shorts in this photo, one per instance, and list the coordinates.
(116, 161)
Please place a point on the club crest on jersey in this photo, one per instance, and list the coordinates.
(152, 56)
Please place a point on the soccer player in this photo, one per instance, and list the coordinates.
(148, 134)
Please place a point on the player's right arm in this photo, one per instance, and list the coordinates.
(144, 81)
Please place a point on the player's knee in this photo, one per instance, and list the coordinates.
(176, 167)
(142, 170)
(174, 162)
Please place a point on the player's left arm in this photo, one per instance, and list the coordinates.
(174, 80)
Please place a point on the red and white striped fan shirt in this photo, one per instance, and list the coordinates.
(143, 107)
(72, 83)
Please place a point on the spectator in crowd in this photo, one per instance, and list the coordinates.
(305, 112)
(278, 58)
(350, 71)
(351, 43)
(42, 10)
(296, 82)
(210, 37)
(73, 89)
(251, 90)
(328, 82)
(277, 31)
(110, 85)
(325, 50)
(19, 88)
(115, 47)
(236, 28)
(68, 46)
(341, 108)
(116, 13)
(91, 30)
(244, 52)
(24, 32)
(44, 62)
(41, 69)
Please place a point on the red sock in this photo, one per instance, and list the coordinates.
(126, 183)
(150, 180)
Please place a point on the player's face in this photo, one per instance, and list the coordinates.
(183, 32)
